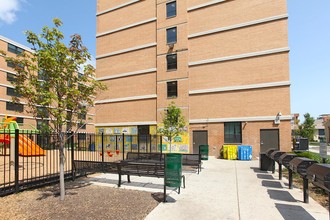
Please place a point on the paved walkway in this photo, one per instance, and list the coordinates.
(227, 190)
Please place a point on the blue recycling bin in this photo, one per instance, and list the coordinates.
(244, 152)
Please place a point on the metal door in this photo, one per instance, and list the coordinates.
(199, 138)
(269, 138)
(143, 132)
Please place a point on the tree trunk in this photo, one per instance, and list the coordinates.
(62, 186)
(170, 144)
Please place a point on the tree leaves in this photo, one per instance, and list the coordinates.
(52, 77)
(307, 128)
(173, 121)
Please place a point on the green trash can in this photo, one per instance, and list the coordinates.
(204, 152)
(173, 170)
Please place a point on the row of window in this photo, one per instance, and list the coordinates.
(18, 119)
(12, 92)
(41, 110)
(12, 65)
(11, 77)
(14, 49)
(41, 123)
(14, 107)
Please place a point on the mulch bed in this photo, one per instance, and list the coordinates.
(82, 201)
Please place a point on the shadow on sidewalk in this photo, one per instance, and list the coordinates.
(293, 212)
(265, 176)
(281, 195)
(257, 170)
(271, 184)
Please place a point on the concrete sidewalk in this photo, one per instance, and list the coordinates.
(227, 190)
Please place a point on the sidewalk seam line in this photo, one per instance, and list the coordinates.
(237, 194)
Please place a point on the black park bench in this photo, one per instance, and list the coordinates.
(136, 164)
(84, 167)
(145, 164)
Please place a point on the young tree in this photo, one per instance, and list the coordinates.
(307, 128)
(56, 83)
(174, 123)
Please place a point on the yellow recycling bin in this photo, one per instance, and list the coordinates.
(230, 152)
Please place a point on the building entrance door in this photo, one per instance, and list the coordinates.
(199, 138)
(269, 138)
(143, 138)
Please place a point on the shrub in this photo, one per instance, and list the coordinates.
(313, 156)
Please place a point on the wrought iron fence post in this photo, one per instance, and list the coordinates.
(123, 146)
(102, 140)
(150, 143)
(116, 142)
(16, 163)
(161, 144)
(138, 142)
(73, 173)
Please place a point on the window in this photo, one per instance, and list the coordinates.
(82, 116)
(14, 49)
(18, 119)
(42, 124)
(321, 132)
(233, 132)
(82, 112)
(42, 112)
(10, 64)
(12, 92)
(172, 89)
(171, 61)
(171, 35)
(11, 77)
(171, 9)
(14, 107)
(82, 125)
(81, 136)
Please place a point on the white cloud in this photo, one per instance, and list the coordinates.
(8, 9)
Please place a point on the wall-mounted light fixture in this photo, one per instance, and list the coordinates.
(277, 120)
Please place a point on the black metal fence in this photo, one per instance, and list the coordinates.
(29, 159)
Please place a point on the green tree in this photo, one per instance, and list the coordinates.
(174, 123)
(307, 128)
(295, 128)
(56, 83)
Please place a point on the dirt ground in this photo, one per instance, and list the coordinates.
(82, 201)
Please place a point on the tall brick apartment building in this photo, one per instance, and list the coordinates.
(7, 75)
(224, 63)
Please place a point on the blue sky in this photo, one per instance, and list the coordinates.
(309, 40)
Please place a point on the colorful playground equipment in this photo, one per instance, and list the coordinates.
(26, 147)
